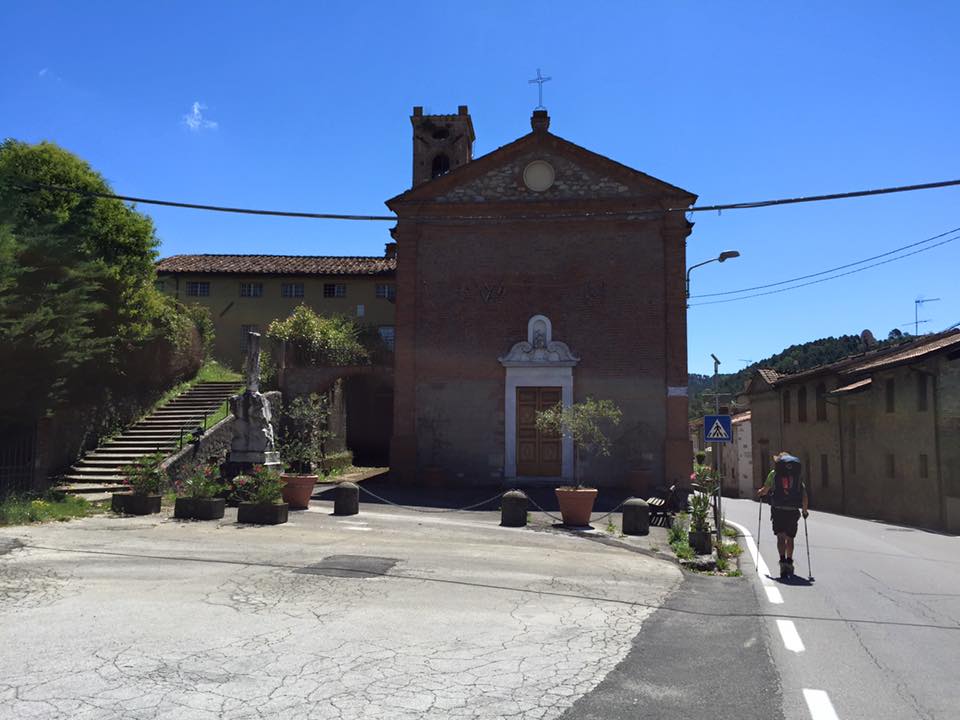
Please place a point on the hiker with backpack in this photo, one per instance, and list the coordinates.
(788, 500)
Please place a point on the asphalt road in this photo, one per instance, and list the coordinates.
(877, 633)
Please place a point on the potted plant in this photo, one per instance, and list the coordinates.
(586, 423)
(304, 433)
(264, 504)
(198, 496)
(144, 477)
(700, 538)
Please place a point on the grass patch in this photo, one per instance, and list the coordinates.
(730, 549)
(212, 371)
(677, 537)
(22, 510)
(729, 531)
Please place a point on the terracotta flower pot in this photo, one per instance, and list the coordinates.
(298, 489)
(129, 504)
(576, 504)
(262, 513)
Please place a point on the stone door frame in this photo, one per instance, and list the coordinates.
(540, 361)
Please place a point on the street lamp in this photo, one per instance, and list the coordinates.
(725, 255)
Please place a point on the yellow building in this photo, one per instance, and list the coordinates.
(246, 292)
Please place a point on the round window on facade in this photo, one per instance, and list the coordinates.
(538, 175)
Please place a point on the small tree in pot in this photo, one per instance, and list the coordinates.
(700, 537)
(304, 435)
(588, 425)
(145, 477)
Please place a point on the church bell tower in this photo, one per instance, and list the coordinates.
(441, 143)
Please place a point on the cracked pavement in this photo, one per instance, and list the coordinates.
(150, 618)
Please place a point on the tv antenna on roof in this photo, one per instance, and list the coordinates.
(916, 312)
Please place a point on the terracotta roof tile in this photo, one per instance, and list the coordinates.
(768, 374)
(915, 350)
(277, 265)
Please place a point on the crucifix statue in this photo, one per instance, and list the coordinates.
(539, 80)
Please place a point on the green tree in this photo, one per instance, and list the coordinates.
(587, 423)
(320, 340)
(77, 295)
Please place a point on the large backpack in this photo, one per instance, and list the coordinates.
(787, 486)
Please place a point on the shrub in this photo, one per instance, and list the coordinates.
(304, 433)
(319, 340)
(202, 483)
(145, 476)
(262, 486)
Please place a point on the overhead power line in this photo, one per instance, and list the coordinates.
(832, 277)
(827, 272)
(33, 187)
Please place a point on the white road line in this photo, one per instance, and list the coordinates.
(762, 570)
(819, 705)
(773, 594)
(791, 638)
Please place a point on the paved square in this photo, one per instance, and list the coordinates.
(155, 618)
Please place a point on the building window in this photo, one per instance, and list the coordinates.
(291, 290)
(891, 396)
(924, 467)
(802, 404)
(821, 402)
(891, 466)
(198, 289)
(388, 335)
(245, 330)
(824, 471)
(160, 285)
(921, 392)
(252, 290)
(361, 310)
(334, 290)
(387, 292)
(786, 406)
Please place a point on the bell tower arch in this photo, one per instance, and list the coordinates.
(441, 143)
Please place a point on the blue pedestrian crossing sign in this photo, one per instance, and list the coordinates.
(717, 429)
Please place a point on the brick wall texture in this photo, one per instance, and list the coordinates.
(611, 286)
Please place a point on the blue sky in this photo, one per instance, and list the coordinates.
(305, 106)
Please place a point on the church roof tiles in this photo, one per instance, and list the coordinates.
(277, 265)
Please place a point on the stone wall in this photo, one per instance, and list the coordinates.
(214, 443)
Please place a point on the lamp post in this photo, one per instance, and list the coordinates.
(723, 257)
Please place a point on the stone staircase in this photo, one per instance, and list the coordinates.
(102, 470)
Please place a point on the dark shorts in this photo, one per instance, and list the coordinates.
(785, 520)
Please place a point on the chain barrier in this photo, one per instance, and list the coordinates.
(548, 514)
(430, 510)
(611, 512)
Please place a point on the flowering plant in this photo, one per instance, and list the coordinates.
(145, 475)
(203, 483)
(262, 486)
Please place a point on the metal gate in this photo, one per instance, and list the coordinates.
(18, 447)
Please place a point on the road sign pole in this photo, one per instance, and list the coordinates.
(718, 515)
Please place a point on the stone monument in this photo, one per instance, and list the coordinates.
(253, 441)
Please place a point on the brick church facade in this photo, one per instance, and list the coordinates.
(540, 272)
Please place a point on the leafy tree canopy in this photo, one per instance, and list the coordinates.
(77, 293)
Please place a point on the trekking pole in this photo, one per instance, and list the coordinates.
(759, 520)
(807, 538)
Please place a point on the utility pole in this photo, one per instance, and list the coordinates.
(718, 515)
(916, 312)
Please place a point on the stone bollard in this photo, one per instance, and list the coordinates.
(346, 499)
(636, 517)
(513, 509)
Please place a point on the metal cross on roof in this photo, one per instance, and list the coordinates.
(539, 80)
